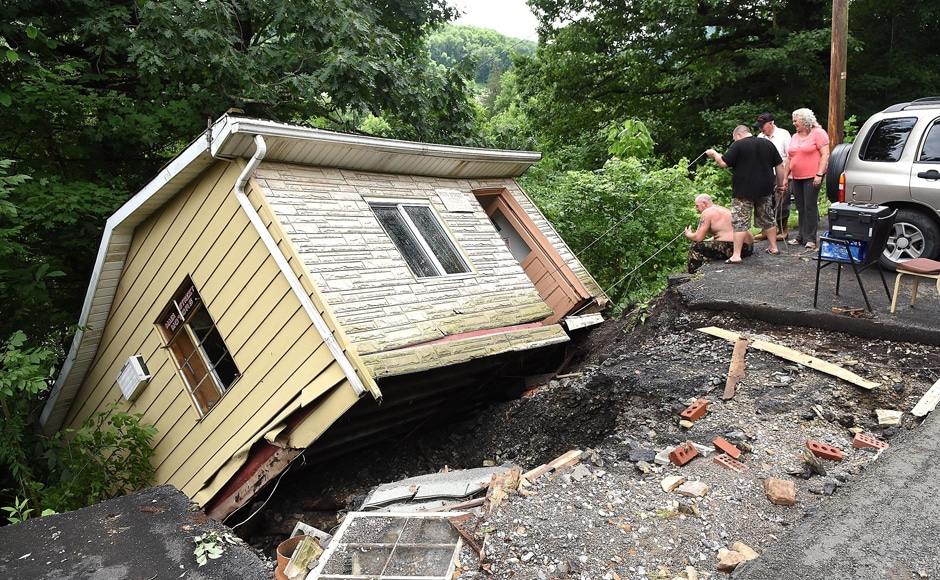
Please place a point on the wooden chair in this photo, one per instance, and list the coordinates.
(918, 268)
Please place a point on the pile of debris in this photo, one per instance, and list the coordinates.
(662, 456)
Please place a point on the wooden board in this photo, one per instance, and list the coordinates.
(736, 370)
(795, 356)
(928, 402)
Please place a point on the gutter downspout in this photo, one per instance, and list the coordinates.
(337, 351)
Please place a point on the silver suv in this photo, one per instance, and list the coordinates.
(895, 161)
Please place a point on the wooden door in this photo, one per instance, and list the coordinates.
(555, 281)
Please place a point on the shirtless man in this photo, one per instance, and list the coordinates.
(715, 220)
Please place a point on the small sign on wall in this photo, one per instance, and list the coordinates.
(456, 201)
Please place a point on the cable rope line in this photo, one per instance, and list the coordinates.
(580, 253)
(643, 263)
(634, 210)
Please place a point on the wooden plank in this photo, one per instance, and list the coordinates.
(928, 402)
(795, 356)
(736, 370)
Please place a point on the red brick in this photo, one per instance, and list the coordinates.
(824, 451)
(733, 464)
(683, 453)
(722, 445)
(695, 410)
(867, 441)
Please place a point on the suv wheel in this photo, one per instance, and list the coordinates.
(836, 166)
(915, 235)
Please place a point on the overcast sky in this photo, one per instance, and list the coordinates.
(510, 17)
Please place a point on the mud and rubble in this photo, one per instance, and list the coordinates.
(619, 403)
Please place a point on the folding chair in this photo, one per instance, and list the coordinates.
(839, 251)
(918, 268)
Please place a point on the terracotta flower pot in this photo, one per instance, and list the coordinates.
(284, 552)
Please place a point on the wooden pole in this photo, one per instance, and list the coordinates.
(840, 32)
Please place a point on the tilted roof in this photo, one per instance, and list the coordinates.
(232, 137)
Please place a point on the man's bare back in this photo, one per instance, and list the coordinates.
(715, 220)
(718, 221)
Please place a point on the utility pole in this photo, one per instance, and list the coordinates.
(840, 33)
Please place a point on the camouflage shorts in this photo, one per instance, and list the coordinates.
(742, 207)
(701, 252)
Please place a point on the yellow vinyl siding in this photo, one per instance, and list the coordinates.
(204, 232)
(137, 299)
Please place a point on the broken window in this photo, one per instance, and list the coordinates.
(390, 546)
(421, 239)
(202, 359)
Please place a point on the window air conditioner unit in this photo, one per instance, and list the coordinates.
(133, 376)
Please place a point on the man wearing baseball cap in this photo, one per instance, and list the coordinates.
(781, 200)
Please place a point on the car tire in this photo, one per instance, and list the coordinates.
(837, 161)
(915, 235)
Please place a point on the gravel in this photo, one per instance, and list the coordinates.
(619, 404)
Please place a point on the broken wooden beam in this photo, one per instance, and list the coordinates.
(928, 402)
(565, 460)
(795, 356)
(736, 370)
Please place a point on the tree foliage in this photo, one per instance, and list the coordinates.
(692, 70)
(624, 221)
(488, 52)
(677, 65)
(97, 95)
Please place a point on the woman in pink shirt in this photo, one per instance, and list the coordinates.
(805, 168)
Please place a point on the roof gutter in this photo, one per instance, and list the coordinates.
(270, 243)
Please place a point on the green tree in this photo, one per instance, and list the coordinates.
(676, 65)
(623, 221)
(97, 95)
(894, 56)
(482, 49)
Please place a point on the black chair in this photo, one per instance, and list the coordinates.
(839, 251)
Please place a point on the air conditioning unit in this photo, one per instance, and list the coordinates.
(133, 377)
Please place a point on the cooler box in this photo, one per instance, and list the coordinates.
(837, 251)
(855, 220)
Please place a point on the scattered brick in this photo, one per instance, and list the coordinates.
(722, 445)
(695, 410)
(731, 463)
(683, 453)
(824, 451)
(779, 491)
(861, 441)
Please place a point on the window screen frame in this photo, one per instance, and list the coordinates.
(189, 334)
(432, 261)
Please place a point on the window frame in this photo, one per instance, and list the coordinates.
(430, 254)
(186, 343)
(877, 140)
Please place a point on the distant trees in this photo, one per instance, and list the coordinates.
(485, 52)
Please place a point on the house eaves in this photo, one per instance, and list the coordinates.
(232, 137)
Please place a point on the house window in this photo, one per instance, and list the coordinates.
(201, 357)
(421, 239)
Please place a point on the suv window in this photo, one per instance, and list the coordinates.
(886, 139)
(931, 150)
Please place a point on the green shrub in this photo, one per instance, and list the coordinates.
(107, 457)
(624, 221)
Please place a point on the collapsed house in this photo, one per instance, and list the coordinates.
(279, 290)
